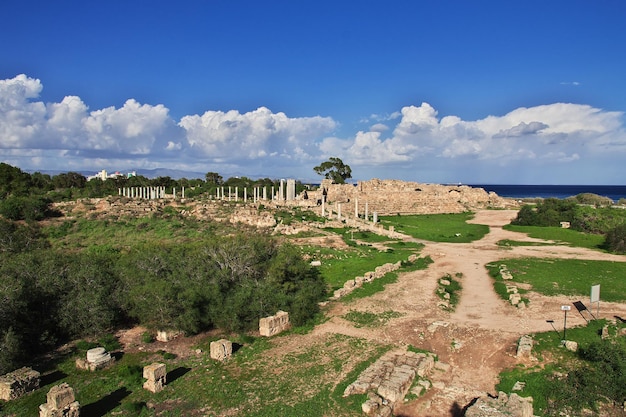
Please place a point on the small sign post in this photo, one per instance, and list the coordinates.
(565, 310)
(595, 298)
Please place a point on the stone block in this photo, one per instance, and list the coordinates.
(155, 375)
(221, 350)
(17, 383)
(167, 335)
(524, 347)
(272, 325)
(60, 396)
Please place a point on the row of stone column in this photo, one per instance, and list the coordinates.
(148, 193)
(259, 193)
(356, 211)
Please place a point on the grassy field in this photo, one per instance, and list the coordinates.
(559, 235)
(341, 265)
(437, 227)
(569, 277)
(308, 382)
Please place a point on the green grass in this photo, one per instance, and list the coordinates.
(453, 290)
(569, 277)
(305, 381)
(438, 227)
(560, 235)
(549, 391)
(341, 265)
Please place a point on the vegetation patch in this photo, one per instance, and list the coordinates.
(578, 383)
(570, 277)
(449, 290)
(558, 235)
(438, 227)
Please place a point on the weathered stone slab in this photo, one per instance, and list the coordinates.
(17, 383)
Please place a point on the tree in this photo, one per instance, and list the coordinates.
(334, 169)
(214, 178)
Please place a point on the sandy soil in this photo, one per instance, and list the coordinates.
(477, 340)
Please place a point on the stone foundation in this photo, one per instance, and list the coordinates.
(388, 380)
(17, 383)
(167, 335)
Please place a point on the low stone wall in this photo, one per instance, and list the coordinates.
(17, 383)
(272, 325)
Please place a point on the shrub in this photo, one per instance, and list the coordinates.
(615, 240)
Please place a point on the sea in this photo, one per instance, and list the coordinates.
(614, 192)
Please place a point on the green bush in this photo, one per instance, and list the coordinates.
(615, 240)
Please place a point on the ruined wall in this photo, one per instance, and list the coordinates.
(390, 197)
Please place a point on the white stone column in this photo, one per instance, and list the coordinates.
(183, 196)
(323, 207)
(338, 211)
(265, 192)
(366, 215)
(236, 193)
(245, 195)
(375, 218)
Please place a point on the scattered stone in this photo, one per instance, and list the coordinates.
(18, 383)
(444, 282)
(434, 325)
(60, 403)
(605, 331)
(269, 326)
(155, 375)
(519, 386)
(502, 406)
(316, 263)
(525, 346)
(167, 335)
(570, 345)
(221, 350)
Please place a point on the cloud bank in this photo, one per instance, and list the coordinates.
(558, 143)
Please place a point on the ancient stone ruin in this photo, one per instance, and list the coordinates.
(524, 347)
(155, 375)
(221, 350)
(17, 383)
(97, 358)
(60, 403)
(388, 380)
(269, 326)
(167, 335)
(503, 406)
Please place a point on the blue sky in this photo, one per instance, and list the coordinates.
(448, 91)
